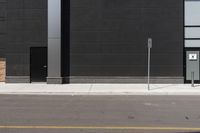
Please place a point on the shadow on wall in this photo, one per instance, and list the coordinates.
(65, 40)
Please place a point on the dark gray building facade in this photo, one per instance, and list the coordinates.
(98, 41)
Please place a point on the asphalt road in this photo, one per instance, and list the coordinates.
(99, 114)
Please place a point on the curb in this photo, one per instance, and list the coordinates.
(106, 93)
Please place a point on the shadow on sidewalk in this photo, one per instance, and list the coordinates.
(161, 87)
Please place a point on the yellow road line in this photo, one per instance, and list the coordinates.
(103, 128)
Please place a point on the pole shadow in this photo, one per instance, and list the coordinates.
(161, 87)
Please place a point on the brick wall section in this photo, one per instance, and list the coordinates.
(3, 31)
(109, 37)
(2, 70)
(27, 27)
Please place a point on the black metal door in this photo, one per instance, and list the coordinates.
(38, 64)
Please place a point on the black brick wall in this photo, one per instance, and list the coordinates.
(3, 29)
(109, 37)
(105, 37)
(27, 27)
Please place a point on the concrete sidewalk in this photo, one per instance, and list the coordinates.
(99, 89)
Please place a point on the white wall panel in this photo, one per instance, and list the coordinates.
(192, 32)
(192, 12)
(192, 43)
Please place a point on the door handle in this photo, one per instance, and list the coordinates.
(45, 66)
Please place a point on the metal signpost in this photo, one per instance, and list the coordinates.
(192, 78)
(149, 59)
